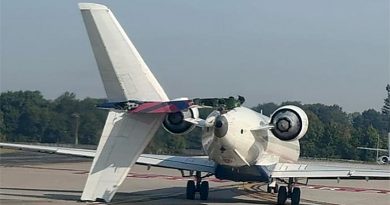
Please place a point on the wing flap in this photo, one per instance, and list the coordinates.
(194, 163)
(124, 138)
(286, 170)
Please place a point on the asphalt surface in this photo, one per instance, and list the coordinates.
(38, 178)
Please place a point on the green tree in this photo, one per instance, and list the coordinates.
(375, 120)
(310, 142)
(386, 106)
(368, 138)
(386, 110)
(22, 115)
(266, 108)
(2, 127)
(25, 116)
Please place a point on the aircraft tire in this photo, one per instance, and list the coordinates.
(295, 196)
(282, 195)
(191, 189)
(204, 190)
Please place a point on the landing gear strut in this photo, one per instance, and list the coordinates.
(197, 186)
(294, 193)
(273, 187)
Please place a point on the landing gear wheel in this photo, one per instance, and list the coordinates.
(282, 195)
(204, 190)
(295, 196)
(191, 189)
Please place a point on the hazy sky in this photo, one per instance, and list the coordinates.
(328, 51)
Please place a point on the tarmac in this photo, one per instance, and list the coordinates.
(38, 178)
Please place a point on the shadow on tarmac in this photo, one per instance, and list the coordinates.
(172, 195)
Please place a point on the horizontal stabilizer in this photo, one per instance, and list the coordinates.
(133, 106)
(138, 106)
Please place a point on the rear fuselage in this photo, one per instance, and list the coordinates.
(246, 143)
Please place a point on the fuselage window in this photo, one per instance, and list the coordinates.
(242, 131)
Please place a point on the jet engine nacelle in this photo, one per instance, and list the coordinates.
(290, 123)
(175, 124)
(383, 159)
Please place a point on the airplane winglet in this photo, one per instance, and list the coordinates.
(89, 6)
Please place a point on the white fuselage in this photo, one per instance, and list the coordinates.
(246, 143)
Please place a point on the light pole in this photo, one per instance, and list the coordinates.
(76, 130)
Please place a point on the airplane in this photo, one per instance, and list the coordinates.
(380, 159)
(241, 144)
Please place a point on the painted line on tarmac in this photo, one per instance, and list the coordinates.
(254, 190)
(180, 178)
(334, 188)
(346, 189)
(154, 197)
(130, 175)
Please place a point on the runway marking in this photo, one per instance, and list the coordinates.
(130, 175)
(153, 197)
(254, 190)
(332, 188)
(180, 178)
(346, 189)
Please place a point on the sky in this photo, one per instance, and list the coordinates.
(313, 51)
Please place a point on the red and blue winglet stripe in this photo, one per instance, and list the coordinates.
(132, 106)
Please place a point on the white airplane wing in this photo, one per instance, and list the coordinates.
(286, 170)
(124, 138)
(192, 163)
(125, 77)
(49, 149)
(124, 73)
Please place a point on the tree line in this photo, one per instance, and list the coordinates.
(26, 116)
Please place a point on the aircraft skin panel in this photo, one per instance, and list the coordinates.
(190, 163)
(124, 73)
(124, 138)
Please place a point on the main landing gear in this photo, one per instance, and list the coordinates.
(294, 193)
(197, 186)
(273, 187)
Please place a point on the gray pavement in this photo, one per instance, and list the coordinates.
(38, 178)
